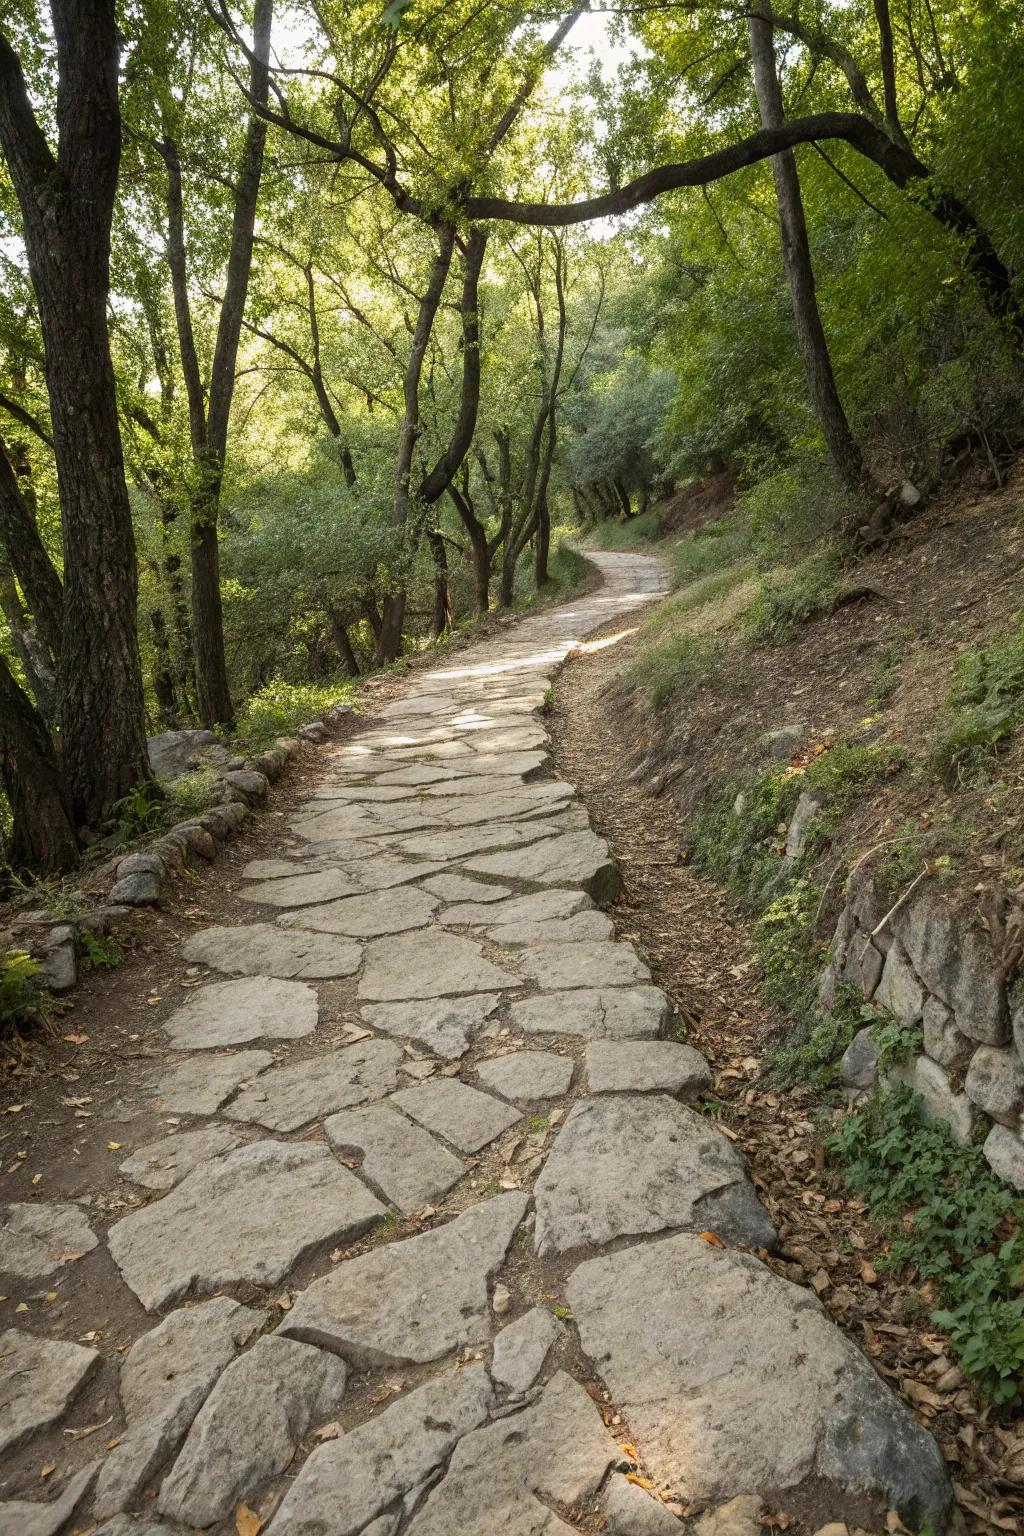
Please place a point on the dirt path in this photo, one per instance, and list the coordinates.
(382, 1207)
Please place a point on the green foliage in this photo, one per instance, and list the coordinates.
(948, 1220)
(701, 593)
(787, 949)
(814, 1047)
(785, 601)
(985, 707)
(280, 707)
(681, 660)
(141, 812)
(739, 837)
(707, 551)
(790, 509)
(896, 1041)
(631, 534)
(22, 993)
(99, 951)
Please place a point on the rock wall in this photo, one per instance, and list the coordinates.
(946, 967)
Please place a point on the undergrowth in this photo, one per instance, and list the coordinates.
(949, 1221)
(679, 660)
(788, 599)
(22, 992)
(985, 707)
(279, 708)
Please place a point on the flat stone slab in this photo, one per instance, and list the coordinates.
(411, 1301)
(262, 949)
(455, 843)
(647, 1066)
(611, 1013)
(302, 890)
(417, 775)
(164, 1380)
(694, 1341)
(247, 1216)
(539, 907)
(250, 1426)
(456, 887)
(527, 1074)
(286, 1097)
(632, 1511)
(36, 1239)
(347, 1482)
(521, 1349)
(22, 1517)
(38, 1382)
(428, 965)
(464, 1116)
(628, 1164)
(401, 1159)
(574, 858)
(558, 931)
(444, 1025)
(512, 1475)
(201, 1084)
(164, 1163)
(367, 916)
(231, 1012)
(583, 965)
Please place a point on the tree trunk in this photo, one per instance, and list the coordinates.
(542, 544)
(67, 206)
(441, 621)
(339, 634)
(479, 546)
(796, 261)
(29, 560)
(163, 674)
(43, 838)
(32, 654)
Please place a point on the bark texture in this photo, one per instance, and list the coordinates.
(43, 838)
(67, 204)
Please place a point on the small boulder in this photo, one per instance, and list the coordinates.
(859, 1066)
(995, 1082)
(173, 753)
(781, 743)
(248, 784)
(315, 732)
(141, 890)
(1004, 1153)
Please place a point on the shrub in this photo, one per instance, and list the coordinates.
(985, 706)
(22, 992)
(949, 1220)
(279, 708)
(680, 659)
(635, 532)
(706, 551)
(698, 594)
(808, 591)
(792, 508)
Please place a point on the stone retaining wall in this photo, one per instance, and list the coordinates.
(947, 967)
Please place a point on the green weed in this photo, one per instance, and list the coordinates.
(22, 993)
(985, 707)
(680, 660)
(99, 951)
(279, 707)
(637, 531)
(708, 551)
(949, 1220)
(785, 601)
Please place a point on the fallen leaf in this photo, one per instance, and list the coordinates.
(48, 1469)
(712, 1238)
(110, 1444)
(330, 1431)
(641, 1482)
(247, 1522)
(628, 1449)
(114, 1146)
(14, 1109)
(76, 1039)
(867, 1274)
(89, 1429)
(66, 1258)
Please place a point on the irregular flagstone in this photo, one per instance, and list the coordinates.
(19, 1517)
(526, 804)
(631, 1511)
(293, 1095)
(401, 1159)
(521, 1349)
(510, 1475)
(518, 738)
(444, 1025)
(735, 1381)
(428, 965)
(505, 764)
(456, 887)
(411, 1301)
(231, 1012)
(247, 1216)
(583, 965)
(387, 870)
(648, 1066)
(458, 843)
(367, 793)
(577, 858)
(497, 784)
(393, 911)
(303, 890)
(527, 1074)
(36, 1239)
(613, 1013)
(38, 1381)
(418, 774)
(261, 949)
(347, 1482)
(630, 1164)
(162, 1164)
(567, 930)
(362, 821)
(250, 1426)
(276, 869)
(164, 1380)
(539, 907)
(201, 1084)
(464, 1116)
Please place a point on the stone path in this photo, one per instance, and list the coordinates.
(354, 1253)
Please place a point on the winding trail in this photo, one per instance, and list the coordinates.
(437, 1244)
